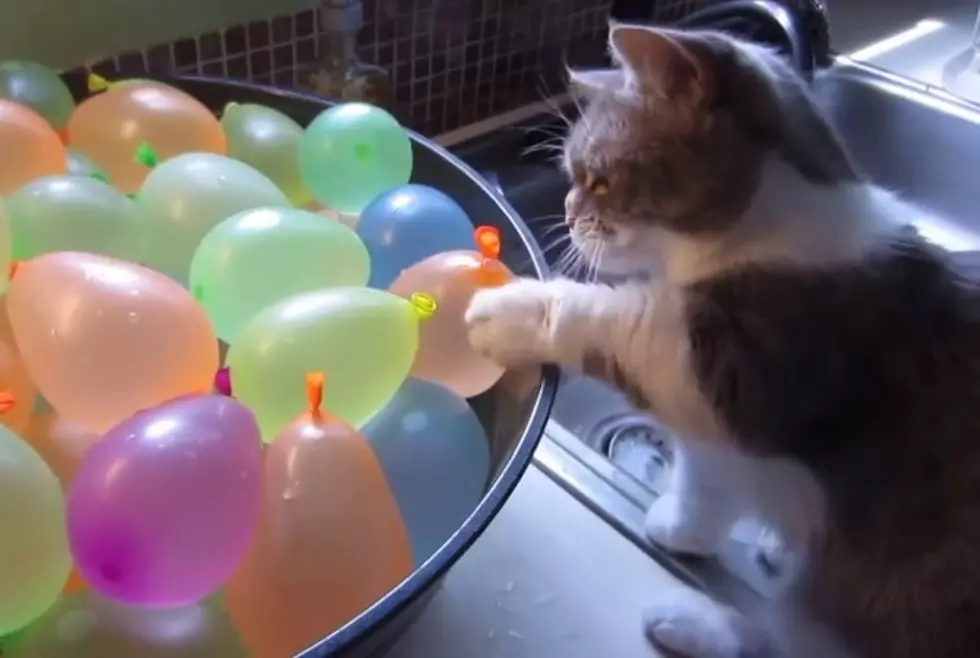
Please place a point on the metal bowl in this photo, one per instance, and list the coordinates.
(513, 413)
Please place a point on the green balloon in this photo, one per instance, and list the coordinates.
(75, 213)
(299, 251)
(84, 625)
(80, 165)
(5, 250)
(351, 153)
(39, 88)
(269, 141)
(34, 557)
(363, 339)
(188, 195)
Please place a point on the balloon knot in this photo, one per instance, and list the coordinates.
(314, 394)
(146, 156)
(7, 401)
(99, 176)
(63, 135)
(222, 382)
(423, 305)
(12, 269)
(97, 83)
(487, 241)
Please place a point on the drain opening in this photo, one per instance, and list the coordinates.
(637, 444)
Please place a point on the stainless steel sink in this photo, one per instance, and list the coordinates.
(915, 140)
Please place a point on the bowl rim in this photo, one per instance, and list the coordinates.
(424, 577)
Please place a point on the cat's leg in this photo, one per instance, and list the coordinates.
(695, 515)
(634, 337)
(693, 625)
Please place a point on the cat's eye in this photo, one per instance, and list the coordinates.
(597, 185)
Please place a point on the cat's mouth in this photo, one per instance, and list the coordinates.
(610, 252)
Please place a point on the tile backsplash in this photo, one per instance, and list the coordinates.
(449, 62)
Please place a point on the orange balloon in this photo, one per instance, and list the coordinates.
(110, 127)
(444, 356)
(17, 391)
(74, 584)
(29, 147)
(331, 541)
(104, 338)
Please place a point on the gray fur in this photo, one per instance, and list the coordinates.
(867, 372)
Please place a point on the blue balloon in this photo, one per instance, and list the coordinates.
(436, 459)
(408, 224)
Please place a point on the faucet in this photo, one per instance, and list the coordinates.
(340, 74)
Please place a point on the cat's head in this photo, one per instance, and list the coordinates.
(674, 141)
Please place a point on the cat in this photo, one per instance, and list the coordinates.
(821, 361)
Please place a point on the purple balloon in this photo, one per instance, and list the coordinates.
(163, 508)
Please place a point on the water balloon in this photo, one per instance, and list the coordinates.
(163, 508)
(436, 459)
(133, 339)
(6, 249)
(188, 195)
(351, 153)
(17, 391)
(452, 278)
(86, 625)
(61, 443)
(37, 87)
(408, 224)
(268, 140)
(74, 213)
(330, 542)
(365, 338)
(110, 127)
(80, 165)
(299, 251)
(34, 558)
(30, 147)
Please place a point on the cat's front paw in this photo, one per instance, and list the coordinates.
(691, 624)
(510, 324)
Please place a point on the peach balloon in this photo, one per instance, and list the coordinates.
(451, 278)
(110, 127)
(30, 146)
(331, 541)
(103, 338)
(61, 443)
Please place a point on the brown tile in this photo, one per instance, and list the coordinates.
(132, 64)
(209, 47)
(159, 59)
(236, 43)
(305, 50)
(185, 53)
(282, 29)
(305, 24)
(215, 69)
(283, 57)
(258, 35)
(261, 62)
(238, 67)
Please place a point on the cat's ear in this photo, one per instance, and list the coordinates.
(588, 83)
(658, 62)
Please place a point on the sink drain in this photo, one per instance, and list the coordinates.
(637, 444)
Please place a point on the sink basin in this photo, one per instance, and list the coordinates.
(920, 143)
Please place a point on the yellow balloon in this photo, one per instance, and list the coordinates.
(104, 338)
(331, 541)
(34, 557)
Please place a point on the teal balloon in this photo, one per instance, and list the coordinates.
(188, 195)
(39, 88)
(351, 153)
(436, 458)
(75, 213)
(259, 257)
(80, 165)
(268, 140)
(406, 225)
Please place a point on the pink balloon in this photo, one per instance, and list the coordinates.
(163, 508)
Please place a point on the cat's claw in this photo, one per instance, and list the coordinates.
(691, 624)
(669, 524)
(510, 324)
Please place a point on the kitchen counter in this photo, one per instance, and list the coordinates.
(548, 578)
